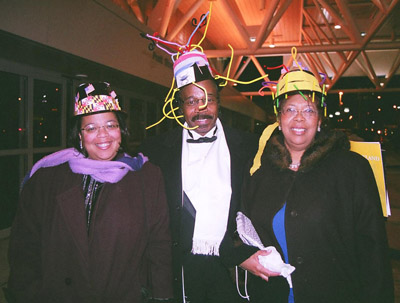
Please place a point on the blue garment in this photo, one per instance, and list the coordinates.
(278, 225)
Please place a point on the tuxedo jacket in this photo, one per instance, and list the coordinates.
(166, 152)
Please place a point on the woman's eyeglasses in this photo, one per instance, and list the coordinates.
(293, 112)
(91, 129)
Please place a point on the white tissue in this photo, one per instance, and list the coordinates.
(273, 261)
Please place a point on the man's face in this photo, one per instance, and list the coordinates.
(194, 99)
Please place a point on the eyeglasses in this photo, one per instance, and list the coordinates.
(293, 112)
(194, 101)
(91, 129)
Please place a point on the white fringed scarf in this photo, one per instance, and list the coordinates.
(206, 180)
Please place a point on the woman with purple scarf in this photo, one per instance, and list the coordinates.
(92, 222)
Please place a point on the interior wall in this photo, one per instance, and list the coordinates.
(96, 30)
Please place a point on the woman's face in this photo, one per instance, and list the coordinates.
(299, 121)
(100, 135)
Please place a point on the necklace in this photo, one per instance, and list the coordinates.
(294, 165)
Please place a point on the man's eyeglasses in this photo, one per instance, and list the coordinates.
(91, 129)
(194, 101)
(293, 112)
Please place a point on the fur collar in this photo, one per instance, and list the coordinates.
(324, 143)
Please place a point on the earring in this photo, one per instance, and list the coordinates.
(319, 128)
(80, 144)
(279, 127)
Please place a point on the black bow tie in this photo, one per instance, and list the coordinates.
(202, 140)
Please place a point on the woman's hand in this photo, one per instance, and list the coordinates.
(253, 265)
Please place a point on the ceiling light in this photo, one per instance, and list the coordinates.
(382, 84)
(330, 116)
(337, 26)
(252, 39)
(272, 45)
(363, 34)
(337, 113)
(379, 97)
(346, 110)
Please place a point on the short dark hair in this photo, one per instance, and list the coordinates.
(74, 139)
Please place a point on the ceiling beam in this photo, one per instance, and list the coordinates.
(185, 18)
(393, 69)
(168, 10)
(327, 25)
(381, 5)
(241, 70)
(284, 50)
(263, 30)
(134, 5)
(353, 31)
(337, 18)
(379, 20)
(259, 68)
(370, 69)
(239, 26)
(328, 61)
(234, 66)
(315, 27)
(365, 70)
(351, 57)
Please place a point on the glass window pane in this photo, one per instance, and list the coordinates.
(13, 105)
(12, 169)
(47, 97)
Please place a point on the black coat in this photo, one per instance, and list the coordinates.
(165, 151)
(334, 225)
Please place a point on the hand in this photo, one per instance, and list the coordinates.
(253, 265)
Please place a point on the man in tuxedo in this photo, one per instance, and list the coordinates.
(203, 165)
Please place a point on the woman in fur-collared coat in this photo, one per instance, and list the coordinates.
(318, 204)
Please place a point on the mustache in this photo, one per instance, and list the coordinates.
(201, 117)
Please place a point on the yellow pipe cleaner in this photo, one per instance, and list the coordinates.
(261, 146)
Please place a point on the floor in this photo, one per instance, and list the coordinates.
(392, 226)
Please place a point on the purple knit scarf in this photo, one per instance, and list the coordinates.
(102, 171)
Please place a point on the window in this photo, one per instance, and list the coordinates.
(47, 100)
(32, 124)
(13, 105)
